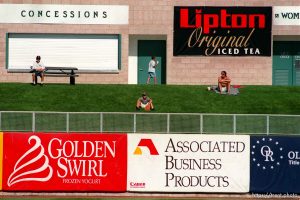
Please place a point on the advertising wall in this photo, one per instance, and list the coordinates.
(1, 158)
(64, 162)
(188, 163)
(149, 163)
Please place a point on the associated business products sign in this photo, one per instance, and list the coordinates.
(286, 15)
(188, 163)
(275, 164)
(63, 14)
(64, 162)
(222, 31)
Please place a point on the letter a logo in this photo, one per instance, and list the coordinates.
(148, 144)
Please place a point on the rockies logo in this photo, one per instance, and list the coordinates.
(263, 153)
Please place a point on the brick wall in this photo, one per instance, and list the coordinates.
(155, 17)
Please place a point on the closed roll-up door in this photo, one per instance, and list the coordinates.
(86, 52)
(297, 70)
(282, 63)
(286, 63)
(281, 77)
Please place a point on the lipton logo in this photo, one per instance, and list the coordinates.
(220, 20)
(148, 144)
(32, 166)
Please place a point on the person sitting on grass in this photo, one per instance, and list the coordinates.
(224, 83)
(144, 102)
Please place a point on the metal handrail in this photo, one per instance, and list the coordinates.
(166, 127)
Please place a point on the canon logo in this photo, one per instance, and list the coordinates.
(137, 185)
(220, 20)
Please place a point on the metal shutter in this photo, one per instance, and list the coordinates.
(86, 52)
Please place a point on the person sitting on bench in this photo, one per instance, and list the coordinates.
(38, 70)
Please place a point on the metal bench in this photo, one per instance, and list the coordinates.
(62, 72)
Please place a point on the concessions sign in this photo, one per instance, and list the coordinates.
(188, 163)
(275, 165)
(222, 31)
(64, 14)
(64, 162)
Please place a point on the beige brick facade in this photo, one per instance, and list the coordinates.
(149, 18)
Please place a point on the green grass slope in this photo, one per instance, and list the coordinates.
(166, 98)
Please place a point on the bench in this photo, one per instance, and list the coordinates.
(62, 72)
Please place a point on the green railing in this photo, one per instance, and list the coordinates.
(141, 122)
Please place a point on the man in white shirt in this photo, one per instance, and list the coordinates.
(38, 70)
(151, 70)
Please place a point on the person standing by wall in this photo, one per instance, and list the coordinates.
(38, 70)
(151, 70)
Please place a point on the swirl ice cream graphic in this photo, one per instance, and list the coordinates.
(23, 169)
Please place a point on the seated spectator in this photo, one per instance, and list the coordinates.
(38, 70)
(224, 83)
(144, 102)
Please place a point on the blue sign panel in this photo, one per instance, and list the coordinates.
(275, 164)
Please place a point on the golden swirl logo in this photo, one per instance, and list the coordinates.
(32, 166)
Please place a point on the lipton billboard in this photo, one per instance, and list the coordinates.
(222, 31)
(64, 162)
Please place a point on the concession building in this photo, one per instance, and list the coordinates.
(111, 42)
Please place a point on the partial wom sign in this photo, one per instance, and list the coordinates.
(286, 15)
(222, 31)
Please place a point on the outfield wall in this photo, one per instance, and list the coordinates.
(144, 20)
(123, 162)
